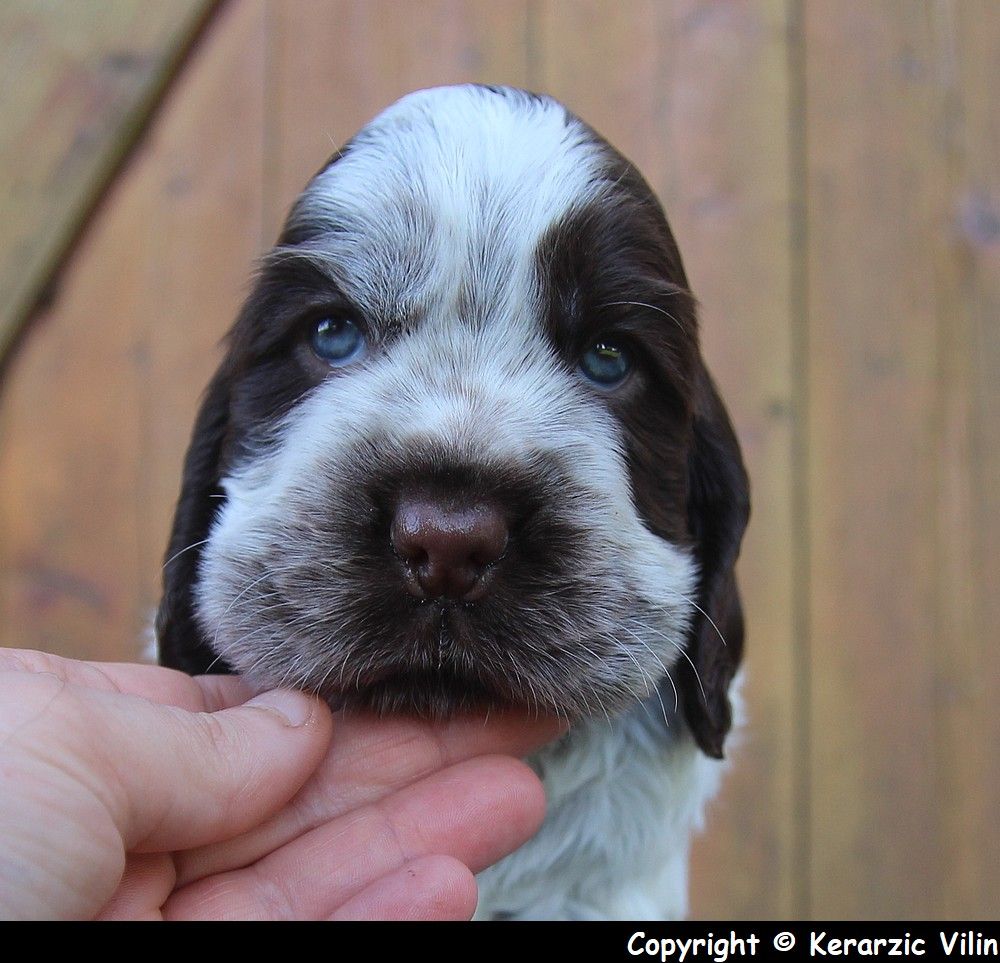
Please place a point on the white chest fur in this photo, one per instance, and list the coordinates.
(623, 802)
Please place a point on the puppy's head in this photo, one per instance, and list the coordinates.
(462, 450)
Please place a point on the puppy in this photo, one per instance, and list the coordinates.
(463, 453)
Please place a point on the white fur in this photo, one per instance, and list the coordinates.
(622, 806)
(450, 189)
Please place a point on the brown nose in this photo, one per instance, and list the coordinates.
(447, 546)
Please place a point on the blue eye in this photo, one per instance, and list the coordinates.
(337, 341)
(606, 363)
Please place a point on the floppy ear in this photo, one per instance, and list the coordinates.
(180, 641)
(718, 511)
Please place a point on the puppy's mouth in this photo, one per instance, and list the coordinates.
(439, 674)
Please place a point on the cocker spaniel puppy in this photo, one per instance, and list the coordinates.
(463, 453)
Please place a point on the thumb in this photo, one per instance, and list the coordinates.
(165, 778)
(185, 779)
(91, 775)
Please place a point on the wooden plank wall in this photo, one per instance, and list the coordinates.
(903, 237)
(829, 170)
(76, 83)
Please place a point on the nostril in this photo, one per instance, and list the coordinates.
(447, 545)
(406, 542)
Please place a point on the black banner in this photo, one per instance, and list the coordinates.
(718, 942)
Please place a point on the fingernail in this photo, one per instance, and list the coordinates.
(294, 707)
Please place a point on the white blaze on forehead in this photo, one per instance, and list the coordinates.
(451, 189)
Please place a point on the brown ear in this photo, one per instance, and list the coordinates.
(718, 511)
(180, 640)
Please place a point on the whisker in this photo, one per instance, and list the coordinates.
(686, 656)
(177, 555)
(684, 598)
(666, 673)
(642, 304)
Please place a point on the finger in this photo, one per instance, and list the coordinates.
(209, 776)
(476, 812)
(153, 682)
(428, 888)
(145, 885)
(165, 778)
(370, 759)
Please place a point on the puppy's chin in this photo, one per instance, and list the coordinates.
(429, 694)
(441, 691)
(442, 672)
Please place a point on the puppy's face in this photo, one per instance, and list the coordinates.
(456, 455)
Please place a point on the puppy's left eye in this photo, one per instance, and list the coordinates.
(606, 363)
(336, 340)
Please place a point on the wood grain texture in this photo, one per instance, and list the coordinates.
(702, 110)
(876, 190)
(333, 66)
(98, 405)
(969, 464)
(76, 82)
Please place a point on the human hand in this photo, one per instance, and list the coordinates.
(139, 792)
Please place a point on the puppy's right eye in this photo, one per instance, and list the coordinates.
(338, 341)
(606, 363)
